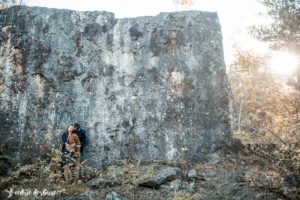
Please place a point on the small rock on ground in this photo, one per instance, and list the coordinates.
(161, 177)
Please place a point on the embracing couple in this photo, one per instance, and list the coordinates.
(74, 140)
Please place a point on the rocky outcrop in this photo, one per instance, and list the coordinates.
(114, 196)
(144, 88)
(161, 177)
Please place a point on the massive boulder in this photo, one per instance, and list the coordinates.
(144, 88)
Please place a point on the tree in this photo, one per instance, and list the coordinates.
(184, 4)
(266, 111)
(284, 32)
(263, 105)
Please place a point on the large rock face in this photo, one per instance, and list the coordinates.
(143, 88)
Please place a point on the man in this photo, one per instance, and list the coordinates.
(82, 136)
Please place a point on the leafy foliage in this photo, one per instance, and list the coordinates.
(264, 105)
(266, 119)
(185, 4)
(284, 32)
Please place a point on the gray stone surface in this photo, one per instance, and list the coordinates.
(213, 158)
(192, 174)
(144, 88)
(173, 185)
(114, 196)
(161, 177)
(93, 183)
(103, 182)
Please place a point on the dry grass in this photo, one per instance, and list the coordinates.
(248, 173)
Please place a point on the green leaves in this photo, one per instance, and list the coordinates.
(284, 32)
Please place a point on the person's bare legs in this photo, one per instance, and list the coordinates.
(67, 173)
(77, 169)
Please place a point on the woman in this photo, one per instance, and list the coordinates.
(71, 151)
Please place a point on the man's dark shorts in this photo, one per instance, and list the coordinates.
(68, 157)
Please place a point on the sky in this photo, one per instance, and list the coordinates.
(235, 15)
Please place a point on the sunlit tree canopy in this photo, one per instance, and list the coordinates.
(284, 32)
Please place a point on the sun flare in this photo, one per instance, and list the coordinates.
(283, 63)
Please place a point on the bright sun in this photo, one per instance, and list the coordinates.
(283, 63)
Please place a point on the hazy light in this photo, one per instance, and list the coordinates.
(283, 63)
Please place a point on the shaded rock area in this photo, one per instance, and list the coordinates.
(161, 177)
(192, 174)
(175, 185)
(114, 196)
(145, 88)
